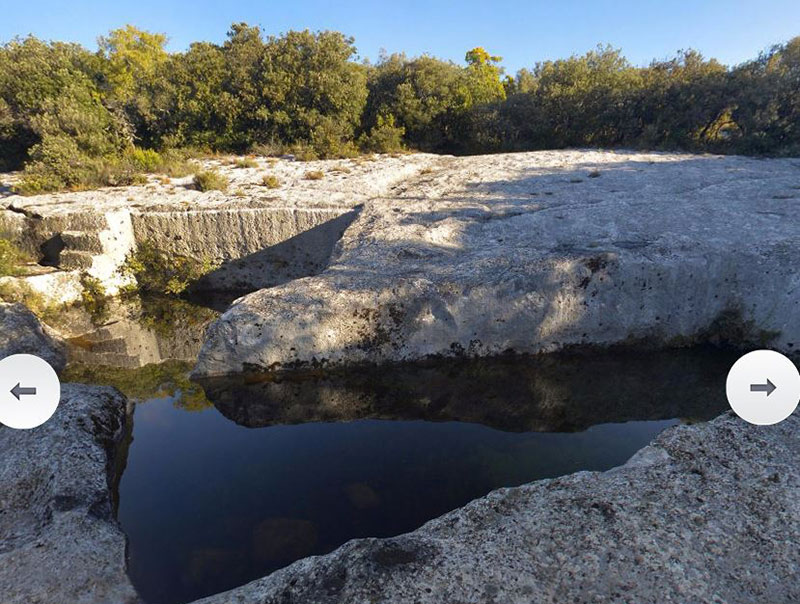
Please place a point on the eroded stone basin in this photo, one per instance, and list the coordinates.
(231, 479)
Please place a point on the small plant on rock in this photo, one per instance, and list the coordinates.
(210, 180)
(246, 162)
(271, 181)
(94, 298)
(158, 272)
(11, 258)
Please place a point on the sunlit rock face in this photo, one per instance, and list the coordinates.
(707, 513)
(255, 236)
(59, 541)
(535, 252)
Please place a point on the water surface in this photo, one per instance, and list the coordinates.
(228, 480)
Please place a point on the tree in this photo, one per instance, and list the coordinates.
(52, 115)
(483, 77)
(133, 66)
(131, 57)
(312, 92)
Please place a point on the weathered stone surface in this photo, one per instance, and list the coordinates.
(59, 541)
(22, 333)
(535, 252)
(259, 236)
(706, 514)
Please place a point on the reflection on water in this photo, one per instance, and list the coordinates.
(276, 471)
(549, 393)
(135, 331)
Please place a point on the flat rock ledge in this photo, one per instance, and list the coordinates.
(708, 513)
(59, 542)
(22, 333)
(536, 252)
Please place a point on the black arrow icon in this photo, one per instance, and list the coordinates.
(769, 387)
(20, 391)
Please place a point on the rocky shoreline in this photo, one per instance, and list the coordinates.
(706, 514)
(525, 253)
(59, 540)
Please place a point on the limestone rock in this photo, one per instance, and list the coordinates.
(256, 235)
(706, 514)
(21, 332)
(59, 541)
(535, 252)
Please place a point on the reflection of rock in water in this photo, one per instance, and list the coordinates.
(140, 332)
(552, 393)
(283, 540)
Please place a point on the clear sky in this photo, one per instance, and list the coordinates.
(521, 32)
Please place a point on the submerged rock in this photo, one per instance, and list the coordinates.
(59, 541)
(524, 253)
(708, 513)
(22, 333)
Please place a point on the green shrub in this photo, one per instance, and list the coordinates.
(94, 298)
(385, 136)
(270, 181)
(145, 160)
(163, 273)
(60, 165)
(11, 258)
(303, 152)
(20, 291)
(211, 180)
(175, 162)
(246, 162)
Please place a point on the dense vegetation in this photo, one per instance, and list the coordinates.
(73, 118)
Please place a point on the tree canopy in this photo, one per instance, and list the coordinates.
(72, 117)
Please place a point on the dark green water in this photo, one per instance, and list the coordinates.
(229, 480)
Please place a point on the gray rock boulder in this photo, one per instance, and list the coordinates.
(536, 252)
(707, 514)
(59, 541)
(21, 332)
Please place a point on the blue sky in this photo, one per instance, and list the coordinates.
(521, 32)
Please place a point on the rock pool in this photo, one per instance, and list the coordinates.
(226, 480)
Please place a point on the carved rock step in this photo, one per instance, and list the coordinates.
(108, 359)
(83, 241)
(94, 346)
(73, 259)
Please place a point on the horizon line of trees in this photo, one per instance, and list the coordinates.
(73, 118)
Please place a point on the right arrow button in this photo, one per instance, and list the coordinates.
(758, 400)
(769, 387)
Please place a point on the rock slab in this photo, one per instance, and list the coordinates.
(59, 541)
(707, 514)
(536, 252)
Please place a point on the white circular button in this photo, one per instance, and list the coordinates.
(29, 391)
(763, 387)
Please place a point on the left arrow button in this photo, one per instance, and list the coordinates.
(19, 391)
